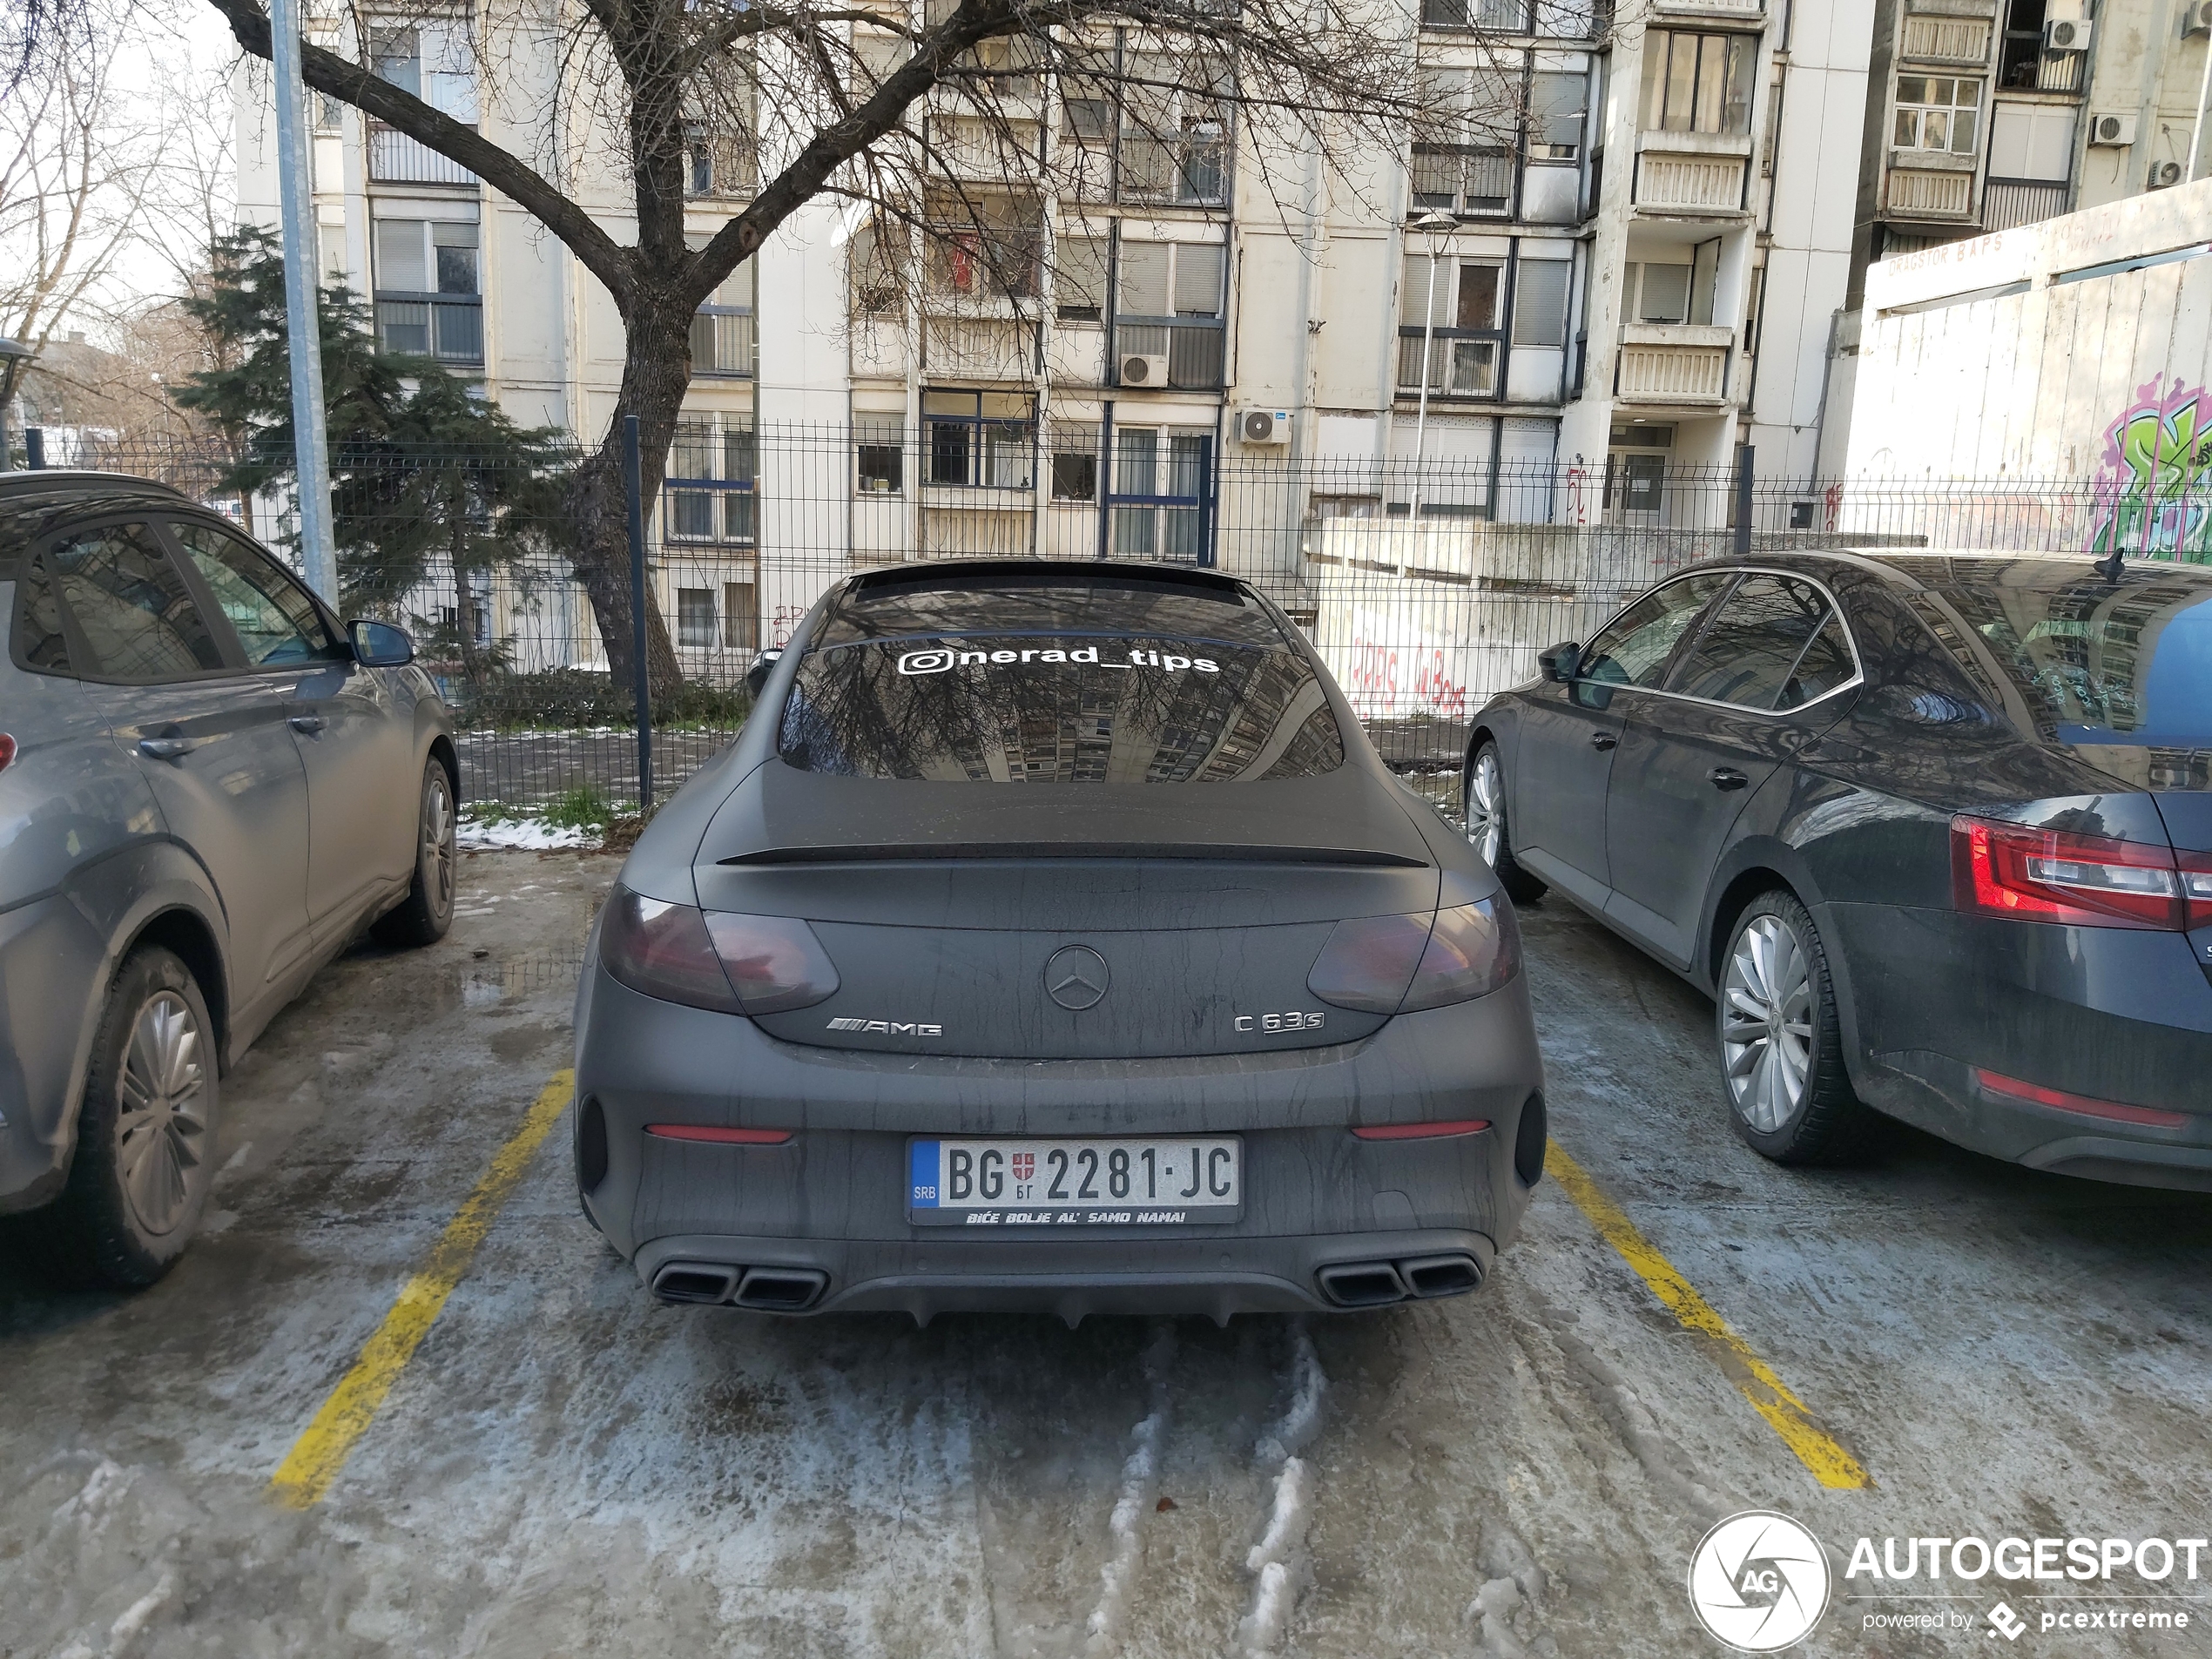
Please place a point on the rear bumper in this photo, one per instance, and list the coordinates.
(831, 1200)
(1211, 1277)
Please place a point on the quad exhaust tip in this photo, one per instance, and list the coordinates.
(1371, 1285)
(772, 1290)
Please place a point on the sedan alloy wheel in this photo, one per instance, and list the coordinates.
(1767, 1023)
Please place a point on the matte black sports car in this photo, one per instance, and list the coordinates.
(1053, 938)
(1935, 831)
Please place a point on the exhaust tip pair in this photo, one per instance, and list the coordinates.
(767, 1290)
(1368, 1284)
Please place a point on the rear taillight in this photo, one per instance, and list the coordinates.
(7, 751)
(708, 959)
(1399, 964)
(2030, 874)
(2196, 888)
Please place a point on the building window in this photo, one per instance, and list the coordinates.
(726, 339)
(709, 493)
(695, 617)
(1510, 17)
(873, 261)
(1937, 113)
(979, 440)
(740, 615)
(1079, 278)
(1159, 489)
(1174, 129)
(1168, 304)
(983, 246)
(427, 298)
(1697, 83)
(1454, 310)
(1075, 460)
(1463, 155)
(879, 454)
(1540, 302)
(2019, 62)
(1557, 104)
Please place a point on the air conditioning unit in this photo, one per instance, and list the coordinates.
(2196, 19)
(2065, 36)
(2164, 175)
(1264, 426)
(1140, 369)
(2111, 130)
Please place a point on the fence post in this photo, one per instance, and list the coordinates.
(1744, 454)
(633, 478)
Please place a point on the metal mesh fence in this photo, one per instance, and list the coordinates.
(1427, 588)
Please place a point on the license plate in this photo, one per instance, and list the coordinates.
(1073, 1184)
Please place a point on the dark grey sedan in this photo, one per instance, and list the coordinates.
(1053, 938)
(208, 788)
(1934, 831)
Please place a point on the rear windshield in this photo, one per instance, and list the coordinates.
(2100, 665)
(1054, 685)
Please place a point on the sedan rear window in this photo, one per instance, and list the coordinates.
(1060, 707)
(2100, 665)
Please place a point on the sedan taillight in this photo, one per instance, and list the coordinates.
(1401, 964)
(729, 963)
(7, 751)
(2029, 874)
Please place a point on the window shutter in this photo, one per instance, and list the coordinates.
(1540, 303)
(1197, 278)
(1143, 290)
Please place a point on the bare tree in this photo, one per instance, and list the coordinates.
(78, 163)
(808, 98)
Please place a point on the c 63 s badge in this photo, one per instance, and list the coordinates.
(888, 1028)
(1293, 1021)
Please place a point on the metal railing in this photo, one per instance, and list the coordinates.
(726, 343)
(396, 158)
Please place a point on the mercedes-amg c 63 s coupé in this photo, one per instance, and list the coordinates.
(1053, 938)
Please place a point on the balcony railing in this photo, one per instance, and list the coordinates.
(1672, 365)
(1192, 347)
(1947, 40)
(725, 343)
(1459, 366)
(1948, 194)
(394, 159)
(1694, 184)
(449, 327)
(2008, 202)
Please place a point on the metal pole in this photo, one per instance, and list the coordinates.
(2197, 127)
(1744, 454)
(295, 195)
(633, 478)
(1428, 355)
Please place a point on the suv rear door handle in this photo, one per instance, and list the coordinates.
(164, 748)
(307, 722)
(1726, 778)
(1603, 740)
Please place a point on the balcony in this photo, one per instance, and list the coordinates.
(394, 159)
(725, 343)
(1688, 182)
(2009, 202)
(1673, 364)
(1947, 40)
(449, 327)
(986, 349)
(1732, 11)
(1192, 347)
(1932, 195)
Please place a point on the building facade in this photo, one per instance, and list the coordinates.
(1620, 249)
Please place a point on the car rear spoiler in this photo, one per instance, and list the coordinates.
(934, 852)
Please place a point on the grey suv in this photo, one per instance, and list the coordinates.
(208, 788)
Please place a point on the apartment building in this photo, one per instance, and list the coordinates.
(1621, 248)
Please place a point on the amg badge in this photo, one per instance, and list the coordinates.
(888, 1028)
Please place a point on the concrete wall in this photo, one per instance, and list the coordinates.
(2045, 379)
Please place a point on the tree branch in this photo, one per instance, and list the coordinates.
(354, 84)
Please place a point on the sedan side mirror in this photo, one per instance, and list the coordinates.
(378, 645)
(756, 676)
(1561, 662)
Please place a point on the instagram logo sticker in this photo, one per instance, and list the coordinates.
(925, 661)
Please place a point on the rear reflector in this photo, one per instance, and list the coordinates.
(1422, 1131)
(719, 1136)
(2057, 1100)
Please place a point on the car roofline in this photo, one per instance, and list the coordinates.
(927, 574)
(81, 480)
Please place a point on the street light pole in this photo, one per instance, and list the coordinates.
(295, 195)
(1432, 224)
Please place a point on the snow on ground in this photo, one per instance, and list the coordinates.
(522, 834)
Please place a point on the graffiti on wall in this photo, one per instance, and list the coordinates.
(2153, 493)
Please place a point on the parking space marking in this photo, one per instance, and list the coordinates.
(1754, 1379)
(322, 1448)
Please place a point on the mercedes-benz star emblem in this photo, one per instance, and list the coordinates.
(1074, 977)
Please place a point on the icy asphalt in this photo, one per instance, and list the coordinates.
(566, 1469)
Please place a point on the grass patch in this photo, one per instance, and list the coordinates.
(582, 808)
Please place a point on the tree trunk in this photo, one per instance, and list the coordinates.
(657, 370)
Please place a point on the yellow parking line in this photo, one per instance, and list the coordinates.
(1769, 1396)
(323, 1447)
